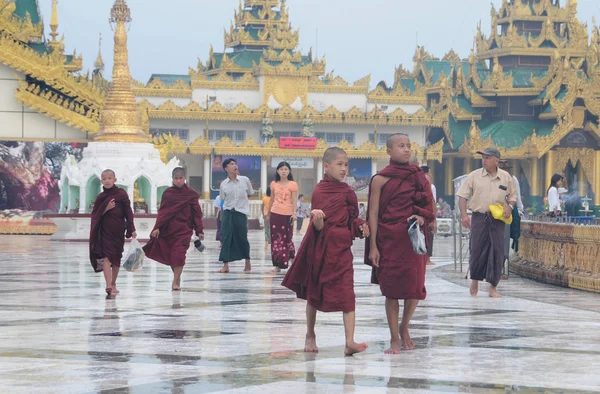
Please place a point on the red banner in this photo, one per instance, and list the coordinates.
(297, 143)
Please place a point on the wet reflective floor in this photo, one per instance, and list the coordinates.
(244, 333)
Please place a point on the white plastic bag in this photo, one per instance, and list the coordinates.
(417, 238)
(135, 256)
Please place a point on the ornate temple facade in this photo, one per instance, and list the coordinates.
(531, 86)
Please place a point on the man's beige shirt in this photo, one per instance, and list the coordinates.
(482, 190)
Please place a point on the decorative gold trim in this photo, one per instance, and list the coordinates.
(28, 230)
(157, 88)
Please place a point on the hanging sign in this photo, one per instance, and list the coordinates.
(297, 143)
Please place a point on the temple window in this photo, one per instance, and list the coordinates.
(336, 138)
(234, 135)
(279, 134)
(381, 138)
(183, 134)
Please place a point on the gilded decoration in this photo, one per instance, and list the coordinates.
(338, 85)
(20, 28)
(561, 254)
(167, 143)
(121, 119)
(586, 157)
(157, 88)
(285, 90)
(57, 107)
(200, 146)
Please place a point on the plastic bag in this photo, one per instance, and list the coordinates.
(417, 238)
(135, 256)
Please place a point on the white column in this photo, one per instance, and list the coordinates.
(263, 175)
(82, 200)
(130, 195)
(319, 170)
(206, 178)
(153, 200)
(373, 167)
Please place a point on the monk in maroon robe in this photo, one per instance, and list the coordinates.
(322, 272)
(398, 194)
(112, 222)
(178, 217)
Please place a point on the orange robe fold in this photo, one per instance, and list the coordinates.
(401, 272)
(322, 272)
(179, 215)
(108, 230)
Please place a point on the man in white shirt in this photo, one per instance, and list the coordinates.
(234, 193)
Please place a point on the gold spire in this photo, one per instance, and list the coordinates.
(54, 23)
(121, 119)
(99, 63)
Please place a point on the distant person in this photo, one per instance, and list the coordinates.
(284, 192)
(362, 212)
(178, 218)
(218, 204)
(266, 203)
(433, 225)
(554, 207)
(234, 192)
(300, 214)
(112, 222)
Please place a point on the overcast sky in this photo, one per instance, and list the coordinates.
(358, 37)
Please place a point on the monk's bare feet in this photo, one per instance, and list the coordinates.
(405, 340)
(114, 291)
(353, 348)
(494, 292)
(108, 290)
(175, 287)
(310, 345)
(395, 347)
(429, 262)
(247, 268)
(276, 270)
(224, 270)
(474, 288)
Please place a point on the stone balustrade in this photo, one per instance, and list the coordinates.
(562, 254)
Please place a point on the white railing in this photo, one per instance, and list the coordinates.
(208, 208)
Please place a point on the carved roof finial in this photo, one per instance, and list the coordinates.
(99, 63)
(54, 24)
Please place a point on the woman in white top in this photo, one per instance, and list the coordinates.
(553, 197)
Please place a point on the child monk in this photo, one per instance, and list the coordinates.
(322, 272)
(398, 194)
(178, 217)
(112, 222)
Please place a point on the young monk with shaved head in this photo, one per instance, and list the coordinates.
(178, 217)
(112, 222)
(398, 194)
(322, 272)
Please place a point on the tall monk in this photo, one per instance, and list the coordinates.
(398, 194)
(112, 222)
(178, 217)
(322, 272)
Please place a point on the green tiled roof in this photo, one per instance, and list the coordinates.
(245, 59)
(459, 132)
(437, 66)
(465, 104)
(22, 7)
(511, 134)
(169, 79)
(522, 76)
(408, 83)
(39, 48)
(254, 13)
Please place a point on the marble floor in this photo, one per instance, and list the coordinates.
(243, 333)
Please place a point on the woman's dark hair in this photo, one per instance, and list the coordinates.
(227, 162)
(268, 191)
(554, 180)
(283, 164)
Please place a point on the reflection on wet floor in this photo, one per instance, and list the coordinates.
(241, 333)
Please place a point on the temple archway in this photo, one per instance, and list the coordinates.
(92, 189)
(142, 194)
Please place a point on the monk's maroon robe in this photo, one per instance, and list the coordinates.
(179, 215)
(108, 230)
(401, 272)
(322, 272)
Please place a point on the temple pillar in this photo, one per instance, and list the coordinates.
(319, 169)
(551, 165)
(82, 200)
(263, 175)
(535, 178)
(373, 167)
(206, 178)
(596, 185)
(468, 165)
(449, 189)
(153, 208)
(581, 181)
